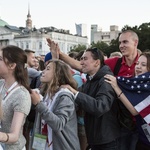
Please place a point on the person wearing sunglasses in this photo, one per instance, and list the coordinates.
(98, 99)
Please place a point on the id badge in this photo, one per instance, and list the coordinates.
(39, 142)
(146, 129)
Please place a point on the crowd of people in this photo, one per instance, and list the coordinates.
(75, 101)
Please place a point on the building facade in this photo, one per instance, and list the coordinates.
(35, 39)
(107, 36)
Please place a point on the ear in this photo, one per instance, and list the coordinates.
(12, 66)
(136, 42)
(97, 63)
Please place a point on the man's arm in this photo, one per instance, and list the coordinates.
(75, 64)
(57, 54)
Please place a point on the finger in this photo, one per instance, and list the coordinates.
(48, 40)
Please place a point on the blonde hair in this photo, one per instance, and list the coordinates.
(61, 76)
(115, 54)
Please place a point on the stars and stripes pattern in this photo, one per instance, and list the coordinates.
(137, 90)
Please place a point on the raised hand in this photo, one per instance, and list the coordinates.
(54, 48)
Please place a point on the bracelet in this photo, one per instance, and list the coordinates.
(120, 94)
(7, 138)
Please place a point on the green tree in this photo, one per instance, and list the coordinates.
(144, 36)
(143, 32)
(78, 48)
(101, 46)
(113, 47)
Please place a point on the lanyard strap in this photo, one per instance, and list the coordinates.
(10, 89)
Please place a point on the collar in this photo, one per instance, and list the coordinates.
(91, 77)
(135, 60)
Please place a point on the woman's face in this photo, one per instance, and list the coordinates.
(4, 71)
(89, 65)
(47, 74)
(141, 66)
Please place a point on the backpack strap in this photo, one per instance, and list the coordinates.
(117, 66)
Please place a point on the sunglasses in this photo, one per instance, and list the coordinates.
(96, 52)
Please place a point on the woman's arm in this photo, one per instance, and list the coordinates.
(14, 133)
(112, 80)
(61, 114)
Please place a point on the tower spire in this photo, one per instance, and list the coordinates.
(29, 21)
(28, 16)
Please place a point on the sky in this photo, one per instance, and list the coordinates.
(63, 14)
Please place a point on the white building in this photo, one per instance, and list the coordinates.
(35, 39)
(106, 36)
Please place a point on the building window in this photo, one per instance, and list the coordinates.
(22, 45)
(27, 45)
(40, 45)
(33, 45)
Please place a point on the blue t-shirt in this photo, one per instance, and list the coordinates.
(78, 78)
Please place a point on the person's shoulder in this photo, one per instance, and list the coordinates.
(65, 93)
(110, 60)
(33, 72)
(22, 91)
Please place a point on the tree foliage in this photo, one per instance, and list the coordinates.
(101, 46)
(78, 48)
(143, 32)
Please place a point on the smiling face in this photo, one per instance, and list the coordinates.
(47, 74)
(89, 65)
(141, 66)
(128, 44)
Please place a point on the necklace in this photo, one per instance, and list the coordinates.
(13, 86)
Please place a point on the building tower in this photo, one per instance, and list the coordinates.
(29, 21)
(94, 29)
(81, 29)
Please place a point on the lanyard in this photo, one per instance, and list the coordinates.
(10, 89)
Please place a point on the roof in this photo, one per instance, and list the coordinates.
(4, 30)
(12, 28)
(3, 23)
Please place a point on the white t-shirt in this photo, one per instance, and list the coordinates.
(1, 147)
